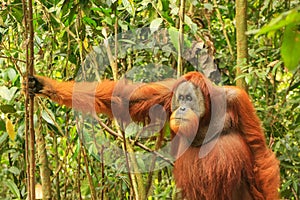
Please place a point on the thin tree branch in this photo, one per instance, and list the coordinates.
(90, 179)
(223, 28)
(31, 100)
(43, 161)
(142, 146)
(24, 4)
(112, 60)
(180, 39)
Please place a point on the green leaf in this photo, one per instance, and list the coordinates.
(7, 109)
(6, 93)
(291, 17)
(17, 12)
(128, 6)
(132, 129)
(97, 9)
(155, 24)
(48, 116)
(14, 170)
(174, 34)
(174, 11)
(295, 185)
(123, 25)
(4, 136)
(290, 49)
(11, 73)
(13, 188)
(90, 21)
(191, 24)
(93, 149)
(286, 184)
(174, 37)
(127, 41)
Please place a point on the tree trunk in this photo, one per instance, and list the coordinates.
(44, 167)
(241, 39)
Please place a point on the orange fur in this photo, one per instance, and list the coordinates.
(225, 173)
(260, 177)
(109, 97)
(266, 168)
(83, 96)
(239, 165)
